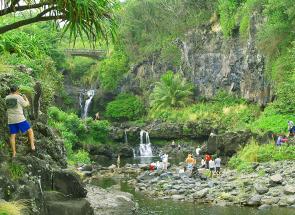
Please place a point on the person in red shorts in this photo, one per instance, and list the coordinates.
(16, 119)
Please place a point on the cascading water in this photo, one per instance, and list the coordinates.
(125, 136)
(145, 147)
(90, 95)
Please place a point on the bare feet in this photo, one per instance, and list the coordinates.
(13, 154)
(33, 147)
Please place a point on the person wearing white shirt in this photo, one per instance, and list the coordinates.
(203, 163)
(211, 167)
(218, 164)
(198, 149)
(165, 161)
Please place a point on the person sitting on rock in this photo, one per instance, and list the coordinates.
(190, 162)
(15, 103)
(211, 167)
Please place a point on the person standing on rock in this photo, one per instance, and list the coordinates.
(217, 164)
(211, 167)
(190, 162)
(291, 128)
(207, 159)
(198, 149)
(165, 161)
(17, 122)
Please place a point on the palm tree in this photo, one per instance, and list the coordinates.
(172, 91)
(93, 18)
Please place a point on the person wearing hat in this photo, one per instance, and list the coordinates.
(15, 102)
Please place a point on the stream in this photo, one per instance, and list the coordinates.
(150, 206)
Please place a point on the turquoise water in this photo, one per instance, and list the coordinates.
(150, 206)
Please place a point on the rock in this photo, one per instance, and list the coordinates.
(112, 167)
(264, 207)
(201, 194)
(72, 207)
(254, 200)
(291, 200)
(68, 183)
(276, 179)
(269, 200)
(228, 143)
(177, 197)
(261, 189)
(126, 151)
(289, 190)
(107, 202)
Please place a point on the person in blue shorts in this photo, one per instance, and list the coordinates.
(15, 102)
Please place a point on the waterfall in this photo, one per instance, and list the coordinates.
(125, 136)
(90, 95)
(145, 147)
(40, 186)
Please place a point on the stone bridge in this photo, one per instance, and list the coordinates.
(92, 53)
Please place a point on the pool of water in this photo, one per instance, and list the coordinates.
(150, 206)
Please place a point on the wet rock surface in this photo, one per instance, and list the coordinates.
(229, 188)
(110, 201)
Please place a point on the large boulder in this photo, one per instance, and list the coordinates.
(58, 203)
(228, 143)
(68, 183)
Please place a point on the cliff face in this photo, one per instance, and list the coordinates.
(212, 63)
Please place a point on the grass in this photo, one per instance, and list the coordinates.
(11, 208)
(16, 171)
(255, 153)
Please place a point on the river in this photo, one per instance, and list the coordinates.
(150, 206)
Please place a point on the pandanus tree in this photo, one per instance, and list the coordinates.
(92, 18)
(172, 91)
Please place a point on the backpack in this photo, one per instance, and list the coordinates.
(11, 103)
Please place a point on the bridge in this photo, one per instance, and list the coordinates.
(92, 53)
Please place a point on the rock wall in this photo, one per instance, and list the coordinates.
(212, 63)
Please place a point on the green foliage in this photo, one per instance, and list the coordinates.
(254, 152)
(223, 111)
(172, 91)
(73, 130)
(227, 10)
(79, 66)
(12, 207)
(80, 156)
(150, 26)
(90, 18)
(110, 71)
(271, 120)
(125, 107)
(36, 48)
(16, 171)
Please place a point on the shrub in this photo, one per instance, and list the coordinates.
(80, 156)
(11, 208)
(16, 171)
(73, 130)
(125, 107)
(254, 152)
(270, 120)
(172, 91)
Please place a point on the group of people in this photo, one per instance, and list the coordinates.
(207, 162)
(280, 139)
